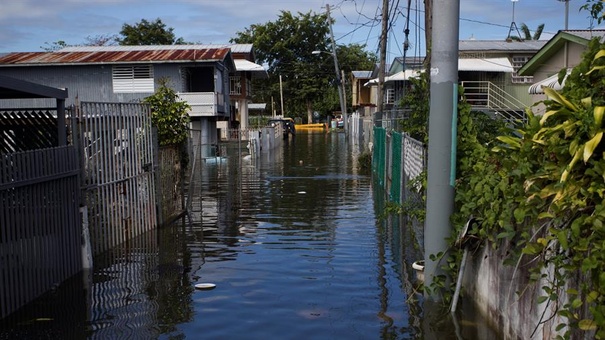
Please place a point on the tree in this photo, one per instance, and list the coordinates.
(286, 46)
(596, 9)
(169, 114)
(54, 46)
(527, 33)
(148, 33)
(101, 40)
(97, 40)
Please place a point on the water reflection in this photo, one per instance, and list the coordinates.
(293, 242)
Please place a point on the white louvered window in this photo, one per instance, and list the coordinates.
(133, 79)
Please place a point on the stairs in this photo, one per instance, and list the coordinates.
(486, 97)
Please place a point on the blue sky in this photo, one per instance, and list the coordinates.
(26, 25)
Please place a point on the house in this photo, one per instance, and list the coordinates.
(200, 74)
(488, 71)
(240, 84)
(363, 98)
(562, 51)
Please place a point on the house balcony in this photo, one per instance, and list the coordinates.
(205, 104)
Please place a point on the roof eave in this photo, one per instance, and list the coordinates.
(551, 47)
(115, 63)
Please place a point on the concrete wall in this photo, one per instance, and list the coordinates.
(505, 296)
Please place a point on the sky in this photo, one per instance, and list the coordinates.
(30, 25)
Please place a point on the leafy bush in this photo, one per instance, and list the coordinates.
(169, 115)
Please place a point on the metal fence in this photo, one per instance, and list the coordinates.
(40, 229)
(117, 166)
(397, 160)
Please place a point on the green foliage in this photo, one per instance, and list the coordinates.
(527, 33)
(595, 8)
(308, 80)
(169, 115)
(540, 188)
(148, 33)
(416, 102)
(365, 161)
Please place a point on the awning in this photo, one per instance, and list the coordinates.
(243, 65)
(485, 64)
(552, 82)
(399, 76)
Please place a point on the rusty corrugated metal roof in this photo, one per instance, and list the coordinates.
(105, 55)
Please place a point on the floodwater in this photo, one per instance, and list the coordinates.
(295, 243)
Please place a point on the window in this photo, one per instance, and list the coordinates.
(133, 79)
(235, 85)
(518, 62)
(389, 96)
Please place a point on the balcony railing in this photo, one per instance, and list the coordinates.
(203, 104)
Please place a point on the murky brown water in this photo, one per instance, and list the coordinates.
(294, 245)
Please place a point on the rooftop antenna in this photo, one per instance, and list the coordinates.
(513, 25)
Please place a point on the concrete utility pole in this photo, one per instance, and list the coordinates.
(381, 67)
(281, 95)
(442, 135)
(341, 84)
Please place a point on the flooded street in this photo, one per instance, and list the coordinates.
(297, 250)
(293, 242)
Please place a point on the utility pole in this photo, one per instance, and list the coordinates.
(281, 94)
(566, 12)
(341, 85)
(381, 67)
(442, 137)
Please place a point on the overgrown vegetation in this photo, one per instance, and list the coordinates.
(542, 190)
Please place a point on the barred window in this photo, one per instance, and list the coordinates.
(133, 79)
(389, 96)
(518, 62)
(235, 85)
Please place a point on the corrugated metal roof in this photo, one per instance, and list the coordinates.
(362, 74)
(485, 64)
(235, 48)
(244, 65)
(399, 76)
(586, 34)
(500, 45)
(115, 54)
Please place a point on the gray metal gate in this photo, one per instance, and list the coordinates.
(39, 223)
(117, 166)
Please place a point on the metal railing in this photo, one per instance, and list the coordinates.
(486, 96)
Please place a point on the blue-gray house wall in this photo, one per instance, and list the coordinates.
(93, 83)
